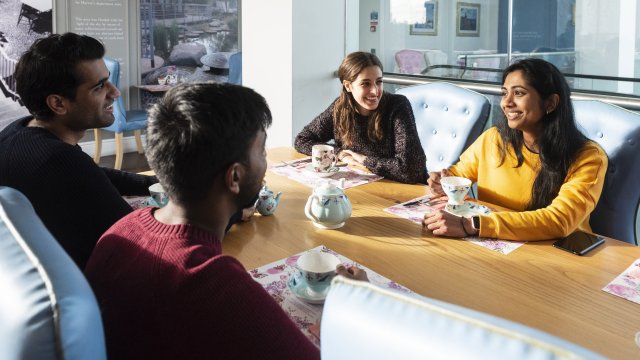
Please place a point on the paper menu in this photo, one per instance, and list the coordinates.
(274, 276)
(415, 209)
(627, 284)
(296, 170)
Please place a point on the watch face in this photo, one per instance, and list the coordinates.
(476, 222)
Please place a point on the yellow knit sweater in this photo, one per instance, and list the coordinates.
(510, 187)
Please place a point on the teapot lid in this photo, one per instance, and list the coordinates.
(328, 188)
(265, 190)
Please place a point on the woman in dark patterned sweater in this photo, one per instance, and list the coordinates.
(370, 127)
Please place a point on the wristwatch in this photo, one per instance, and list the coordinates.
(475, 222)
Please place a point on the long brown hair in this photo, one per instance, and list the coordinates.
(345, 110)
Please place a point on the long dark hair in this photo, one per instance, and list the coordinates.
(560, 140)
(345, 110)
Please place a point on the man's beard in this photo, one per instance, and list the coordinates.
(249, 192)
(245, 199)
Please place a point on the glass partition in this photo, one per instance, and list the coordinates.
(594, 42)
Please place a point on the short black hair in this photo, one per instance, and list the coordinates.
(50, 67)
(197, 130)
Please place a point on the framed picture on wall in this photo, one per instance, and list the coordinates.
(467, 19)
(430, 24)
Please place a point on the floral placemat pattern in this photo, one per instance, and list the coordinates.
(274, 276)
(415, 209)
(627, 284)
(138, 202)
(296, 170)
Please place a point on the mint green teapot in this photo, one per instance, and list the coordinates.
(328, 207)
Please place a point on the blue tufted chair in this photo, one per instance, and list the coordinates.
(617, 131)
(47, 309)
(362, 321)
(235, 68)
(133, 120)
(448, 118)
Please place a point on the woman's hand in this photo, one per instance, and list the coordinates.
(434, 181)
(353, 272)
(444, 223)
(351, 157)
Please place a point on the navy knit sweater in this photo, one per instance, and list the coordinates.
(76, 199)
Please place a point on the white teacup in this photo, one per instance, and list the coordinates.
(158, 194)
(456, 188)
(317, 268)
(323, 157)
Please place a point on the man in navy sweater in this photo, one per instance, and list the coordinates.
(64, 83)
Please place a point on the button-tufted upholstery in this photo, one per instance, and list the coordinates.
(448, 118)
(362, 321)
(47, 309)
(410, 61)
(617, 131)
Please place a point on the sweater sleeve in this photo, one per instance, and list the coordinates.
(318, 131)
(129, 183)
(576, 200)
(467, 165)
(255, 325)
(78, 203)
(409, 163)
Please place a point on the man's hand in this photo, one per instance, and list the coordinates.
(353, 272)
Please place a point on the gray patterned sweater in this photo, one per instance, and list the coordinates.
(398, 156)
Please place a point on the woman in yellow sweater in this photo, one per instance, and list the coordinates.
(535, 162)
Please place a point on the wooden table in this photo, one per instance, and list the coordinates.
(536, 285)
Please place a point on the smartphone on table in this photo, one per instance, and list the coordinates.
(579, 242)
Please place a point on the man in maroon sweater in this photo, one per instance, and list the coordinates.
(164, 287)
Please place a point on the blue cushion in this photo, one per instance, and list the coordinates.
(448, 119)
(47, 309)
(362, 321)
(617, 131)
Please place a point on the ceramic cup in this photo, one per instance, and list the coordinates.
(158, 195)
(323, 158)
(317, 268)
(456, 188)
(162, 80)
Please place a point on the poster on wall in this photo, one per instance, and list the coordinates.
(105, 20)
(188, 41)
(467, 19)
(430, 24)
(21, 23)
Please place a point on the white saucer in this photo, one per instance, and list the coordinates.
(328, 173)
(299, 288)
(467, 209)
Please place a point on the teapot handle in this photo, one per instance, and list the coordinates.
(307, 208)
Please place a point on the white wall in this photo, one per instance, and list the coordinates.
(318, 49)
(290, 51)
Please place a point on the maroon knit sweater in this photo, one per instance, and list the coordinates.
(398, 156)
(166, 291)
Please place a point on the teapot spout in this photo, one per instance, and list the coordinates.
(277, 198)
